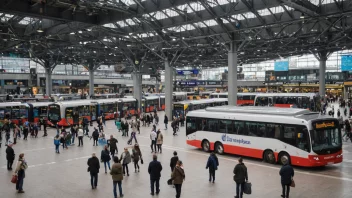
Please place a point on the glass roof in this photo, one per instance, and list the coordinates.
(27, 20)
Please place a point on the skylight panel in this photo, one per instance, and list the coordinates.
(222, 2)
(158, 15)
(170, 13)
(127, 2)
(109, 25)
(127, 22)
(27, 20)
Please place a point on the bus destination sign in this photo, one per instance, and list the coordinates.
(326, 124)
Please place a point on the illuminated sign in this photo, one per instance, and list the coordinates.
(324, 125)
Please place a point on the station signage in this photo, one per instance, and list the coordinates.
(214, 82)
(281, 66)
(188, 72)
(346, 63)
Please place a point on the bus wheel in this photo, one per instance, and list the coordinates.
(284, 154)
(219, 148)
(269, 157)
(206, 145)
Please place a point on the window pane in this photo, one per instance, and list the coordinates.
(273, 131)
(289, 135)
(213, 125)
(239, 128)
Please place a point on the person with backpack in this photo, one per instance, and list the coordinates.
(95, 136)
(212, 165)
(178, 176)
(112, 142)
(57, 144)
(240, 177)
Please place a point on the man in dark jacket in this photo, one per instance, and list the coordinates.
(212, 164)
(154, 171)
(93, 168)
(173, 161)
(240, 177)
(113, 145)
(10, 156)
(286, 173)
(166, 121)
(95, 136)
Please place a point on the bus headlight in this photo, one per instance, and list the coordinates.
(339, 156)
(316, 158)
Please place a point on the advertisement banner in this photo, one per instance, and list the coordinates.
(188, 72)
(281, 66)
(346, 62)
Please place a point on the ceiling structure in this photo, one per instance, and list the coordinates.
(188, 32)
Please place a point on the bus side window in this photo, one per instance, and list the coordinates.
(191, 125)
(213, 125)
(302, 138)
(239, 128)
(289, 135)
(273, 131)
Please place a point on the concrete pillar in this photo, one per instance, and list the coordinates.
(322, 70)
(137, 87)
(168, 89)
(91, 80)
(48, 81)
(2, 84)
(232, 75)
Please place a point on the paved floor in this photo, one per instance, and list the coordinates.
(65, 175)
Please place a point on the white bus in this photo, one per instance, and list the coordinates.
(182, 107)
(242, 98)
(309, 101)
(269, 133)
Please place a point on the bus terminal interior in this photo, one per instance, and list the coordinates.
(221, 84)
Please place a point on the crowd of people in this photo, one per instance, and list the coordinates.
(132, 154)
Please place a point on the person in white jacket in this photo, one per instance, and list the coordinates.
(153, 137)
(80, 136)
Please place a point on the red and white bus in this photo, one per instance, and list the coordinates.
(242, 98)
(15, 111)
(269, 133)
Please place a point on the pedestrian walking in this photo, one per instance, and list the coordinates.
(125, 159)
(93, 169)
(286, 173)
(25, 132)
(45, 125)
(212, 165)
(10, 156)
(112, 142)
(136, 155)
(80, 134)
(153, 137)
(126, 128)
(154, 170)
(117, 177)
(166, 121)
(105, 157)
(178, 176)
(57, 144)
(20, 171)
(95, 136)
(240, 177)
(159, 140)
(73, 133)
(173, 161)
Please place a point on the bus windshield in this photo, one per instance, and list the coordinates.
(54, 112)
(326, 141)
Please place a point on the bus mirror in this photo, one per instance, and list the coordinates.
(300, 135)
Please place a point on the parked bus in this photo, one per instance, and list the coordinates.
(179, 96)
(306, 138)
(107, 106)
(309, 101)
(183, 107)
(242, 98)
(16, 112)
(127, 106)
(38, 110)
(106, 96)
(149, 103)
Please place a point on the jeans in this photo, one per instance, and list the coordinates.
(94, 179)
(153, 145)
(165, 125)
(73, 138)
(178, 190)
(108, 162)
(136, 165)
(287, 193)
(80, 140)
(238, 185)
(159, 148)
(125, 168)
(57, 148)
(211, 174)
(156, 182)
(19, 183)
(64, 144)
(95, 142)
(120, 188)
(112, 152)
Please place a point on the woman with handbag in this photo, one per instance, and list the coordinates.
(125, 159)
(20, 172)
(178, 176)
(286, 173)
(136, 154)
(105, 157)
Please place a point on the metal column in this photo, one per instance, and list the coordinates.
(48, 82)
(91, 81)
(322, 70)
(232, 76)
(168, 89)
(137, 87)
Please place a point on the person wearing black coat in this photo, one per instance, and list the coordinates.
(10, 156)
(93, 169)
(154, 171)
(240, 177)
(105, 157)
(173, 161)
(95, 136)
(166, 121)
(286, 173)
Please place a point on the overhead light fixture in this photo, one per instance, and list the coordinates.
(302, 16)
(40, 30)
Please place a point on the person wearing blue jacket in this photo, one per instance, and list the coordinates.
(286, 173)
(212, 164)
